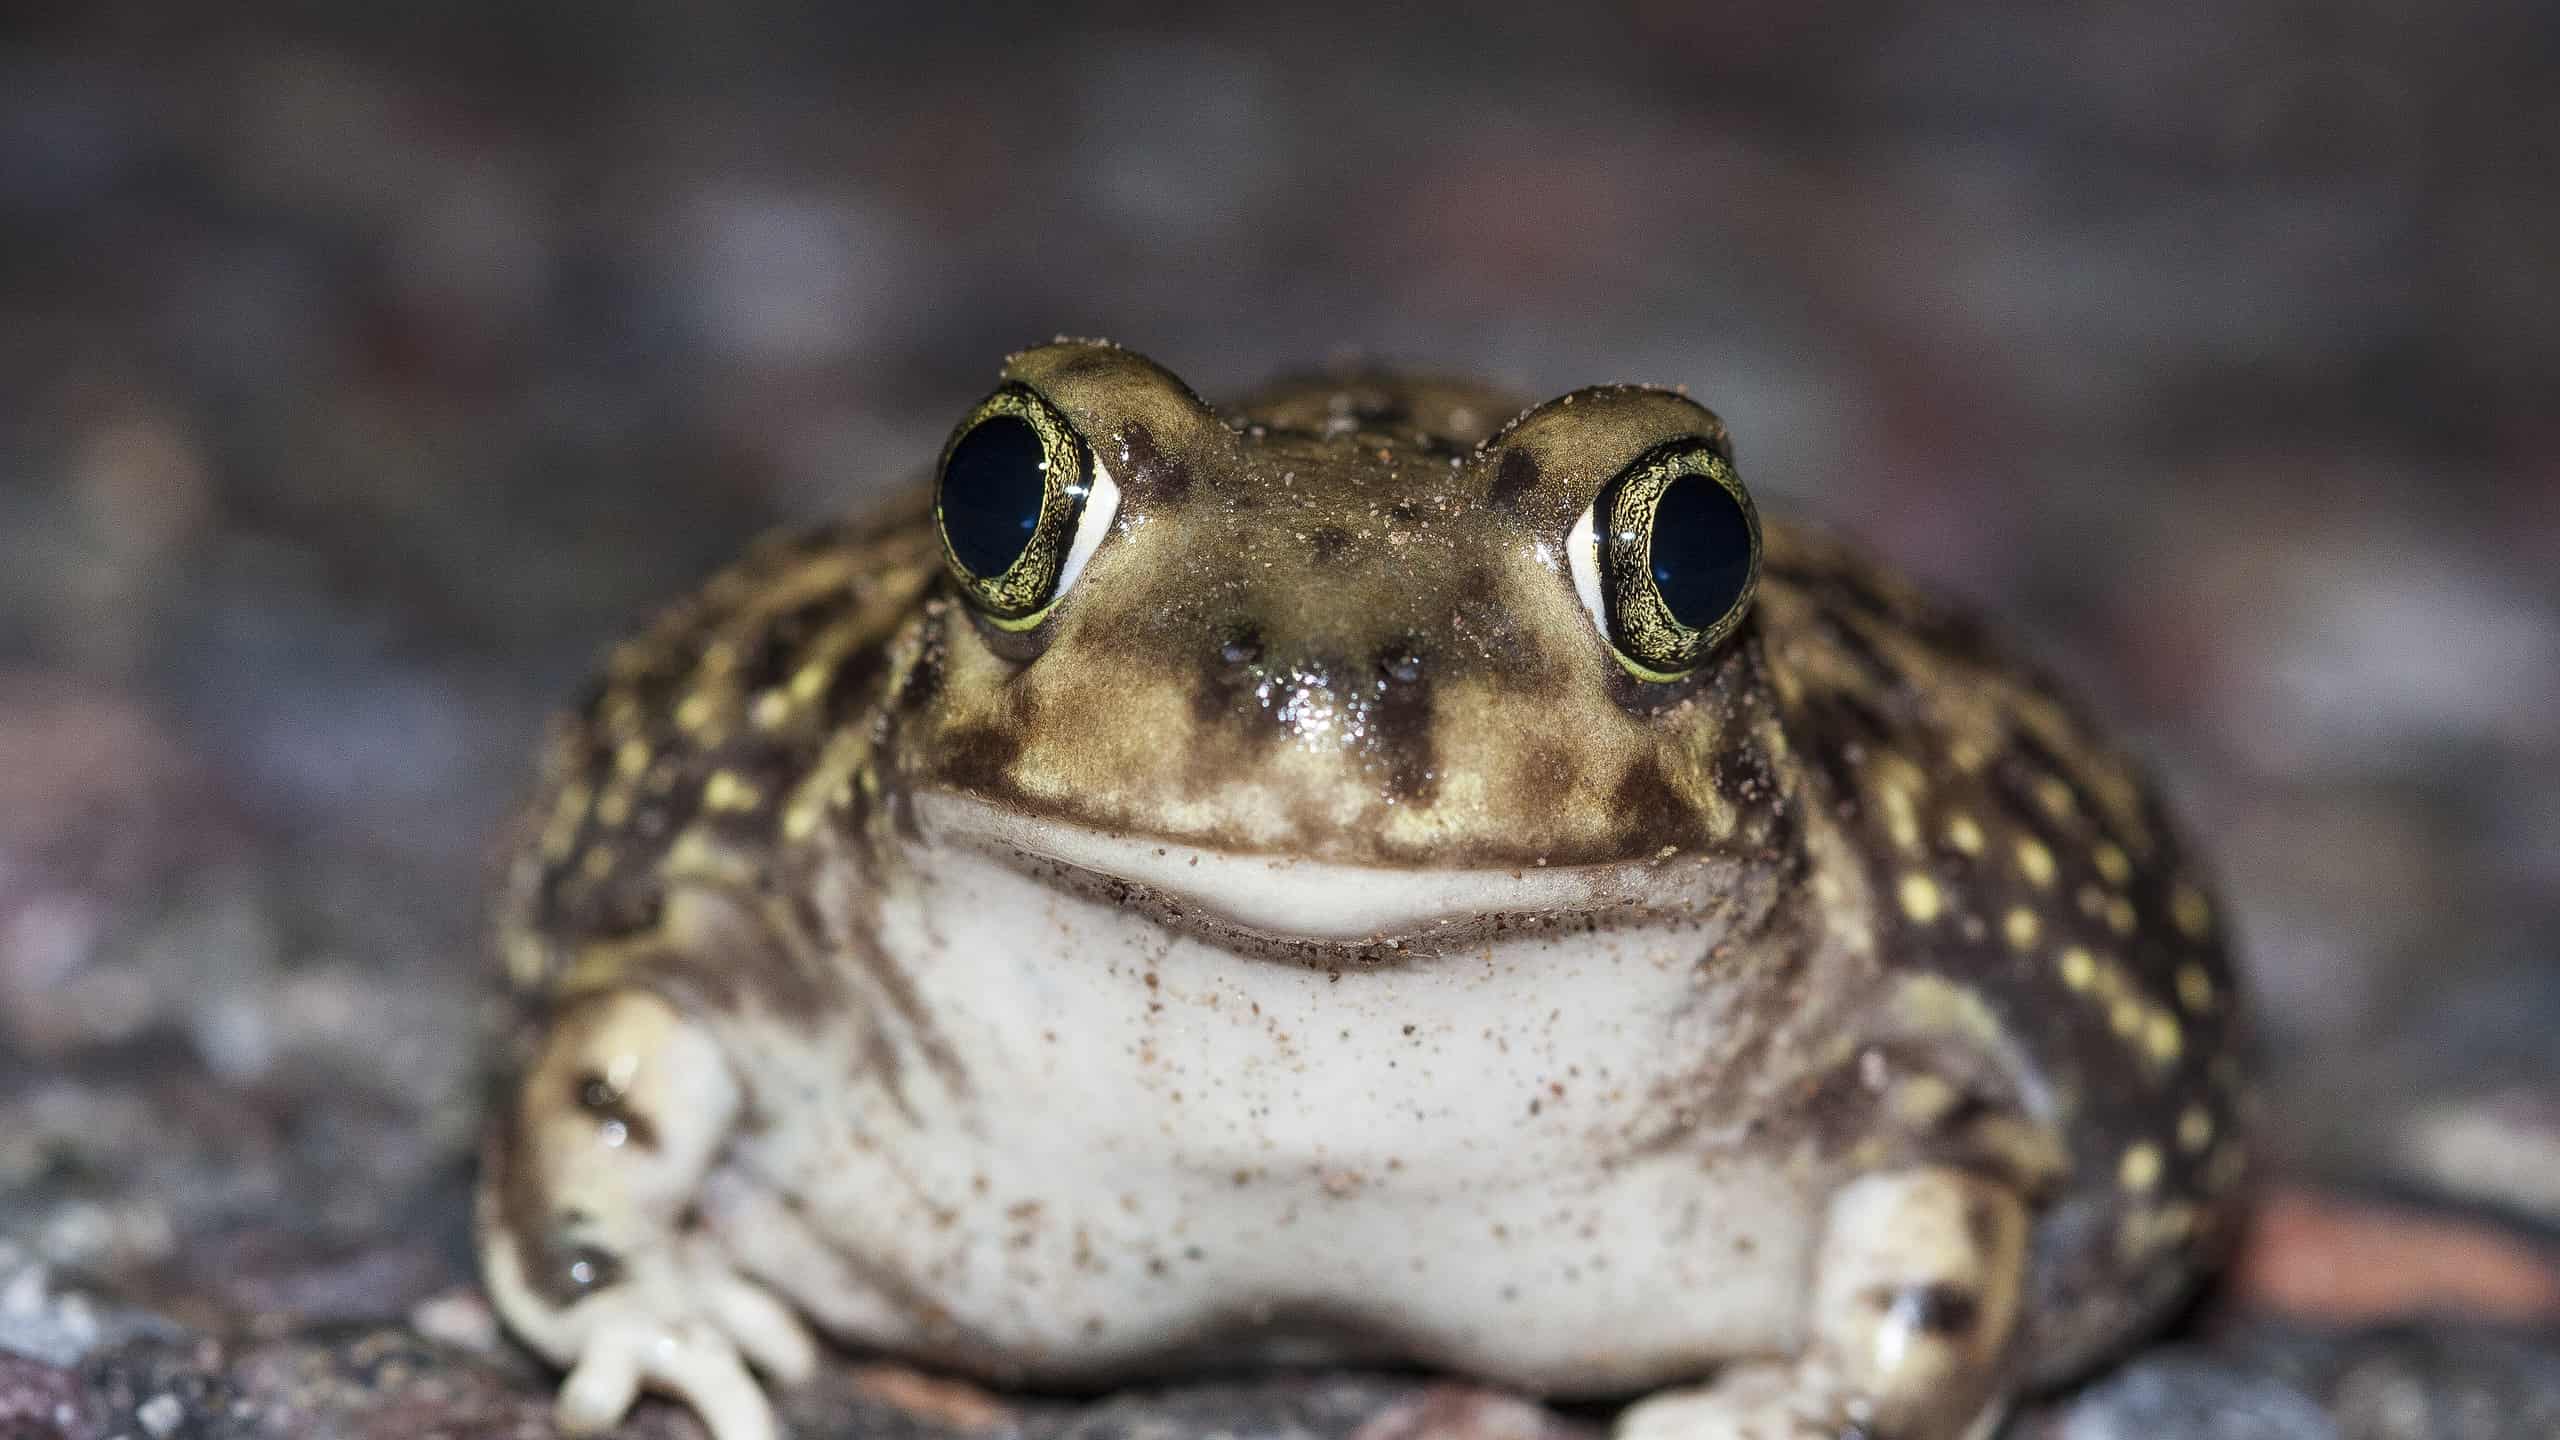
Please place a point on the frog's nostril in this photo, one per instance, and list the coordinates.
(1401, 664)
(1241, 647)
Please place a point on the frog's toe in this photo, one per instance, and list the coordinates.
(693, 1363)
(689, 1329)
(763, 1327)
(1916, 1296)
(1764, 1401)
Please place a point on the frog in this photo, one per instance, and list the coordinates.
(1376, 874)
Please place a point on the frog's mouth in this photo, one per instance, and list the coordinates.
(1319, 902)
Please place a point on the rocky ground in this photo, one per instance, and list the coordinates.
(361, 373)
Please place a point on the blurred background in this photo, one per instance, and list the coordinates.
(364, 369)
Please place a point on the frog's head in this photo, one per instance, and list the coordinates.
(1354, 633)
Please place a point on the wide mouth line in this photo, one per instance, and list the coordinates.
(1293, 899)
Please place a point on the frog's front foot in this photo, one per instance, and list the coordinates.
(1916, 1293)
(591, 1243)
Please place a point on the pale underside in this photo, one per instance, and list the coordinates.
(1436, 1158)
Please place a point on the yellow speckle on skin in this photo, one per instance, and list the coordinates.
(800, 822)
(1935, 1005)
(621, 714)
(696, 711)
(2141, 1168)
(631, 758)
(2177, 1223)
(2126, 1016)
(1921, 899)
(2021, 927)
(2195, 1129)
(772, 709)
(2112, 862)
(2146, 1231)
(2035, 862)
(2160, 1035)
(2079, 968)
(2192, 912)
(725, 791)
(528, 960)
(810, 681)
(615, 807)
(560, 834)
(1965, 833)
(2195, 989)
(1923, 1099)
(693, 851)
(2120, 915)
(2054, 796)
(597, 863)
(1901, 818)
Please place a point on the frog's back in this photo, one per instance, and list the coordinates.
(2033, 906)
(682, 758)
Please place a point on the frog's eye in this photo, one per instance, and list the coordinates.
(1022, 503)
(1667, 557)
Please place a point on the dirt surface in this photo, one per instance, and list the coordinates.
(361, 373)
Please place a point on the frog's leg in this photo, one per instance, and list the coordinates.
(590, 1242)
(1916, 1293)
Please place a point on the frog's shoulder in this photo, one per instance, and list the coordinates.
(2034, 909)
(686, 746)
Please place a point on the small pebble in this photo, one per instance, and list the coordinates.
(459, 1318)
(2194, 1398)
(161, 1415)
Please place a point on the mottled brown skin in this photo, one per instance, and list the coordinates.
(1323, 627)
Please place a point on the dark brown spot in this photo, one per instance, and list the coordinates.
(599, 1098)
(981, 758)
(1843, 580)
(628, 899)
(1649, 812)
(1088, 360)
(1981, 1224)
(1380, 407)
(854, 685)
(526, 1216)
(1742, 773)
(924, 679)
(1153, 475)
(1223, 695)
(1543, 775)
(1400, 664)
(1403, 725)
(1938, 1309)
(1513, 479)
(582, 1270)
(1243, 646)
(1833, 729)
(779, 647)
(1850, 638)
(1330, 541)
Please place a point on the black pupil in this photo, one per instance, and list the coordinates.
(992, 489)
(1701, 550)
